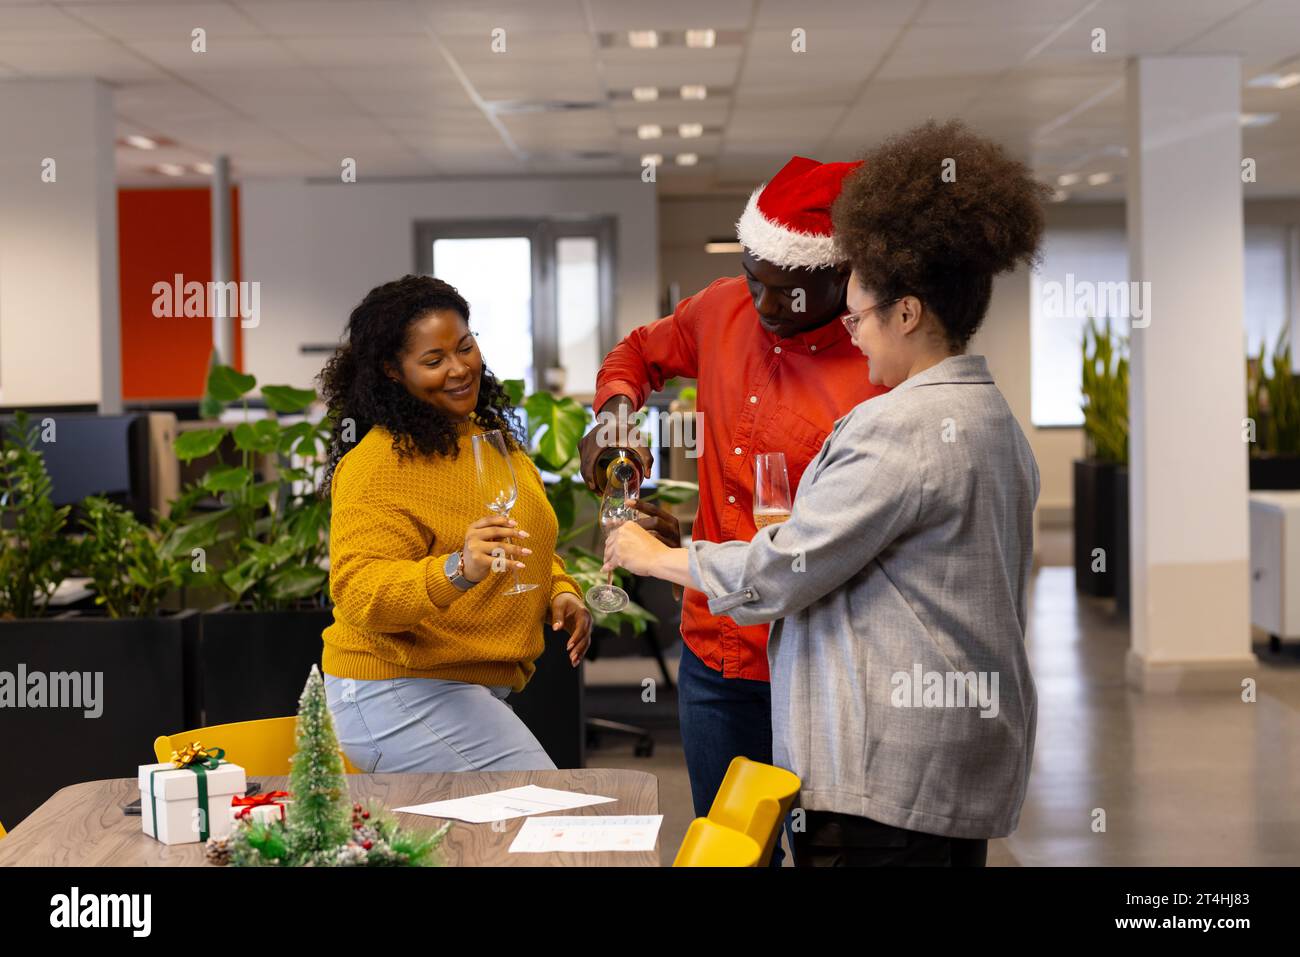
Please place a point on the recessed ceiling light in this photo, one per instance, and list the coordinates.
(1067, 179)
(689, 131)
(643, 39)
(1258, 119)
(170, 169)
(645, 94)
(701, 39)
(649, 131)
(1283, 80)
(1100, 179)
(694, 91)
(141, 142)
(204, 169)
(687, 159)
(654, 159)
(719, 246)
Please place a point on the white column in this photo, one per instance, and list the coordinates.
(60, 338)
(1187, 392)
(223, 332)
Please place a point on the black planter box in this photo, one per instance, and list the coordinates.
(552, 704)
(1274, 472)
(1120, 565)
(247, 665)
(1094, 526)
(141, 695)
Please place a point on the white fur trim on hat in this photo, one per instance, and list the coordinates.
(781, 246)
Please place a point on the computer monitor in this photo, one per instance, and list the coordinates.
(91, 454)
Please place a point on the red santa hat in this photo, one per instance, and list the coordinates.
(787, 221)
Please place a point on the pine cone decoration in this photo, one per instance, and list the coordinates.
(217, 851)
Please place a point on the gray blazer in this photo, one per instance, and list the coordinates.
(901, 690)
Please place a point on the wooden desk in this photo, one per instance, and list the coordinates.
(83, 824)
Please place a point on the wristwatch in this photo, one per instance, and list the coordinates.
(454, 568)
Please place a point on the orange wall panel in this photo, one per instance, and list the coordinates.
(162, 232)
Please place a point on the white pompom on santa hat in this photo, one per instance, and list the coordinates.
(787, 221)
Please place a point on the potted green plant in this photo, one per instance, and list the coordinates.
(1273, 405)
(262, 547)
(1101, 477)
(108, 679)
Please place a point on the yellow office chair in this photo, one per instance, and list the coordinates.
(711, 845)
(2, 830)
(754, 799)
(262, 748)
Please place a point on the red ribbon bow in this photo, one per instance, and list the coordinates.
(270, 798)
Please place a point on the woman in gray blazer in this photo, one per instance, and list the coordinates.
(901, 692)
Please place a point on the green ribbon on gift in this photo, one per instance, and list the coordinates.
(193, 757)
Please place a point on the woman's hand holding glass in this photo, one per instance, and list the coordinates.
(488, 547)
(632, 547)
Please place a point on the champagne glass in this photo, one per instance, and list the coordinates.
(771, 489)
(497, 486)
(616, 507)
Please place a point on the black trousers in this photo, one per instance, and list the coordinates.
(842, 840)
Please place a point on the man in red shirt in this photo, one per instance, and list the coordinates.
(775, 369)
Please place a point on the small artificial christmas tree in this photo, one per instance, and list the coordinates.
(323, 828)
(318, 819)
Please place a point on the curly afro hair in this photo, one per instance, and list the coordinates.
(355, 387)
(909, 231)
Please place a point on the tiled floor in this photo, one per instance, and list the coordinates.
(1181, 779)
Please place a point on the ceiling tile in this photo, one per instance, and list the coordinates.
(611, 15)
(138, 21)
(335, 18)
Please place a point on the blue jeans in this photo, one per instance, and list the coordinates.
(430, 724)
(721, 718)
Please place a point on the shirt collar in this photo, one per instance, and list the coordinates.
(817, 340)
(954, 370)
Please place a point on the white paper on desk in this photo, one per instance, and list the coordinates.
(587, 835)
(507, 804)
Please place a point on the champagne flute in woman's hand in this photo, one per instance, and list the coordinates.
(496, 484)
(615, 509)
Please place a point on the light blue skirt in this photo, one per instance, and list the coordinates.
(430, 724)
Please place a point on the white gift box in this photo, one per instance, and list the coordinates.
(175, 801)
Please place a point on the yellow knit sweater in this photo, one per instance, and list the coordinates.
(395, 613)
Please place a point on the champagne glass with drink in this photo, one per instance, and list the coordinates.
(771, 489)
(497, 487)
(621, 470)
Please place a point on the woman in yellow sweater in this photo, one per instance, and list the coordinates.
(425, 646)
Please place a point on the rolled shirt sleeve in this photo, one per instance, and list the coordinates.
(860, 494)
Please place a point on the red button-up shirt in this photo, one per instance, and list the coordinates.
(756, 393)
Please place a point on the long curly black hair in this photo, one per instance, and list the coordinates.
(360, 395)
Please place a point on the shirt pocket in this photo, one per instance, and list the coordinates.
(798, 437)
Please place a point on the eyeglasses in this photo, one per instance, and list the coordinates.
(852, 319)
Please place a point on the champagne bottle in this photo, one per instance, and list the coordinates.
(619, 468)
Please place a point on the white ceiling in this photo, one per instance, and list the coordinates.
(413, 88)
